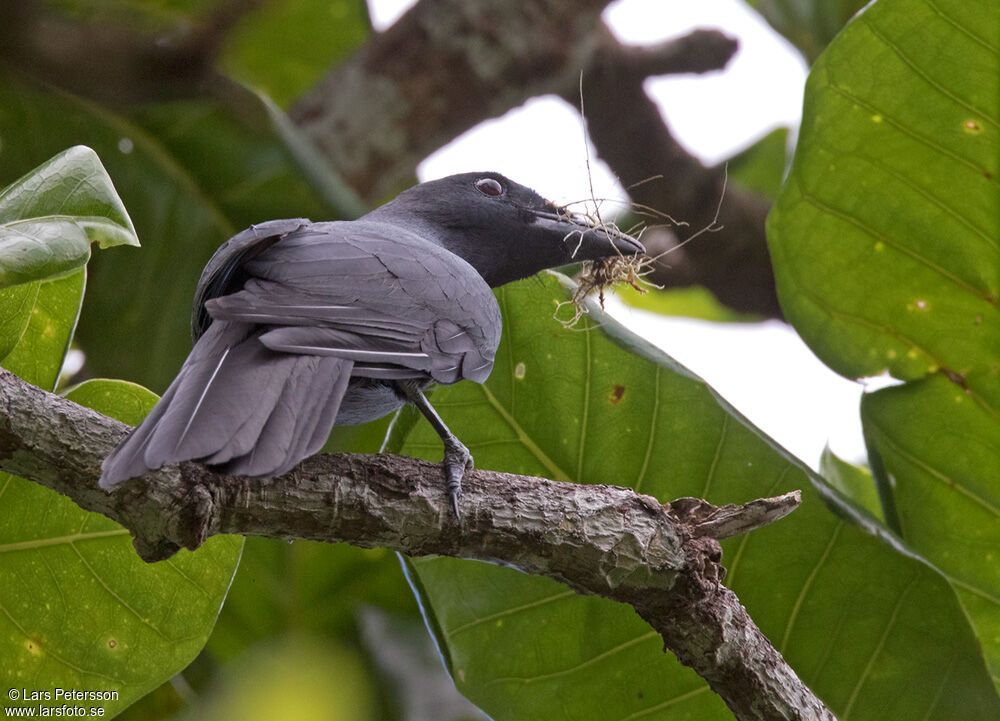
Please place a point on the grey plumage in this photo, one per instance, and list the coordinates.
(300, 326)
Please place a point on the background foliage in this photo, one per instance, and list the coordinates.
(882, 591)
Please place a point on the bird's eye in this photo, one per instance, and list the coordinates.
(489, 186)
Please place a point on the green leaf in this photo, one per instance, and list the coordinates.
(81, 610)
(49, 218)
(941, 450)
(808, 24)
(191, 173)
(886, 246)
(37, 249)
(284, 46)
(857, 618)
(84, 612)
(127, 402)
(854, 482)
(38, 355)
(886, 237)
(15, 312)
(73, 184)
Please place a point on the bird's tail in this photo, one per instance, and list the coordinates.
(239, 405)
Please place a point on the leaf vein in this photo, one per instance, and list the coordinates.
(583, 664)
(907, 130)
(797, 606)
(119, 599)
(922, 74)
(451, 633)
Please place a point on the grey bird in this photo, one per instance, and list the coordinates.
(301, 326)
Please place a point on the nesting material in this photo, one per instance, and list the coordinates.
(598, 275)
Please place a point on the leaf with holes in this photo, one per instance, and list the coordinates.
(856, 618)
(886, 247)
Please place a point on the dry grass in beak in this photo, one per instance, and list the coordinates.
(598, 275)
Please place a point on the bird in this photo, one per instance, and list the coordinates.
(301, 326)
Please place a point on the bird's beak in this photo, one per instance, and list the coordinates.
(583, 239)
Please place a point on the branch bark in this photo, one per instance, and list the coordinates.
(661, 559)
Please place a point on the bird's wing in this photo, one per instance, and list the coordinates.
(394, 304)
(224, 272)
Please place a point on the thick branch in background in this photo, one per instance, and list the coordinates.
(662, 559)
(442, 68)
(447, 65)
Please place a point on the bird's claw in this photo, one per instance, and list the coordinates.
(457, 460)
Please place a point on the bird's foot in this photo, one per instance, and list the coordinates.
(457, 460)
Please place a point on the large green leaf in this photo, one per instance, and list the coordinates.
(80, 610)
(886, 245)
(191, 174)
(285, 46)
(886, 237)
(942, 449)
(15, 312)
(50, 216)
(38, 355)
(859, 620)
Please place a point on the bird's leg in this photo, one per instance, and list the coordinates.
(457, 459)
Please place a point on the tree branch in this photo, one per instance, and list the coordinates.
(662, 559)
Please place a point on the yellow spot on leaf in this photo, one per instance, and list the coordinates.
(519, 370)
(876, 118)
(971, 126)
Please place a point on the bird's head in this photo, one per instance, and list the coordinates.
(504, 230)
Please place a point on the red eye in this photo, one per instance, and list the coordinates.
(489, 186)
